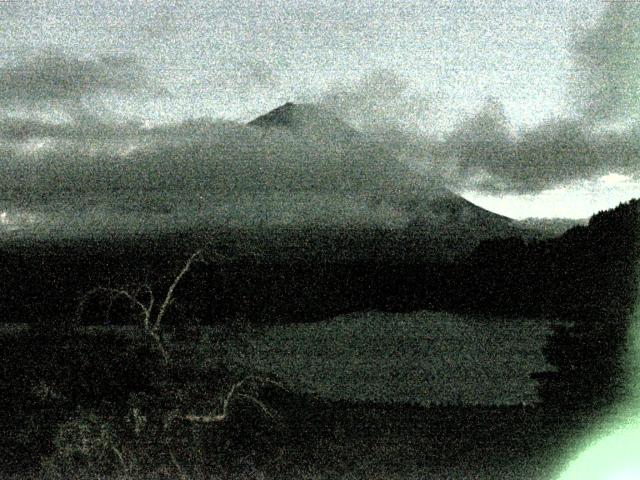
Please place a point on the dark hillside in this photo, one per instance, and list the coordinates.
(587, 276)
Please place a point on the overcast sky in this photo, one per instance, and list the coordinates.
(527, 107)
(236, 59)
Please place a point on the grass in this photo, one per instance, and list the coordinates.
(424, 357)
(372, 358)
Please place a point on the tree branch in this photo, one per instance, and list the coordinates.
(205, 418)
(267, 411)
(113, 294)
(168, 299)
(231, 395)
(151, 327)
(120, 457)
(183, 476)
(158, 340)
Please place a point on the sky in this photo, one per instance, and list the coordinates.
(528, 108)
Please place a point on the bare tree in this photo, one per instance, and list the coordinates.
(142, 298)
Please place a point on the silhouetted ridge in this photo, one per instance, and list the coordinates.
(599, 292)
(308, 118)
(280, 116)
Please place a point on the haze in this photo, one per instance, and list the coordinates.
(527, 109)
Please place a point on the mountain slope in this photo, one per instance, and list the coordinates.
(307, 118)
(297, 174)
(370, 169)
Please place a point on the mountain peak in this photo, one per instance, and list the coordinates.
(283, 115)
(306, 117)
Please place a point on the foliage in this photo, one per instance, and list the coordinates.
(142, 400)
(589, 353)
(86, 442)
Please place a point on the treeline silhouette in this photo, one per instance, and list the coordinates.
(588, 269)
(337, 272)
(586, 279)
(586, 276)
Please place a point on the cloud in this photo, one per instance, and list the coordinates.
(162, 21)
(602, 136)
(380, 100)
(207, 171)
(483, 140)
(607, 82)
(222, 62)
(52, 81)
(229, 72)
(21, 129)
(215, 156)
(483, 154)
(55, 76)
(10, 10)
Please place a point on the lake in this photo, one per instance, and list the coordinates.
(422, 357)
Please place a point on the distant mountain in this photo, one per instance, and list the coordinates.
(309, 119)
(551, 227)
(436, 214)
(298, 168)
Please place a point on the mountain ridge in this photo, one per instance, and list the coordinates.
(305, 117)
(432, 205)
(335, 196)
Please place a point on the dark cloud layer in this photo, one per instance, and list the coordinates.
(20, 129)
(482, 153)
(87, 172)
(53, 81)
(204, 171)
(55, 76)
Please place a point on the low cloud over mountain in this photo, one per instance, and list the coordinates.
(317, 169)
(352, 157)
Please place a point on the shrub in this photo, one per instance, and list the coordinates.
(85, 443)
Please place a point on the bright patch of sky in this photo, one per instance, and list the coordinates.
(579, 200)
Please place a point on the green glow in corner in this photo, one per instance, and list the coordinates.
(615, 455)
